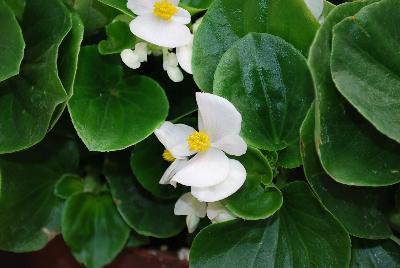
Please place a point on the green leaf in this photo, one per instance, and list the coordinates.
(119, 5)
(119, 37)
(28, 207)
(195, 6)
(27, 102)
(374, 254)
(365, 64)
(17, 6)
(290, 157)
(146, 214)
(110, 112)
(351, 150)
(93, 229)
(148, 166)
(136, 240)
(328, 7)
(68, 185)
(266, 79)
(302, 234)
(12, 43)
(362, 211)
(227, 21)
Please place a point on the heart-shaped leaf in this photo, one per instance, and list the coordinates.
(365, 64)
(119, 37)
(93, 228)
(374, 254)
(290, 156)
(110, 112)
(351, 150)
(226, 21)
(12, 43)
(266, 78)
(302, 233)
(361, 210)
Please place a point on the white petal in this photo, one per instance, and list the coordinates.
(233, 145)
(157, 31)
(177, 165)
(141, 7)
(141, 51)
(188, 205)
(216, 212)
(316, 7)
(192, 221)
(175, 74)
(184, 55)
(233, 182)
(219, 118)
(182, 16)
(169, 59)
(174, 138)
(130, 59)
(204, 169)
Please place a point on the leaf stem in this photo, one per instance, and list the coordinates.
(395, 239)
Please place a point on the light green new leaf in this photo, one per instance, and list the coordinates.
(93, 229)
(365, 64)
(266, 79)
(11, 43)
(302, 233)
(351, 150)
(226, 21)
(28, 207)
(111, 112)
(119, 37)
(68, 185)
(374, 254)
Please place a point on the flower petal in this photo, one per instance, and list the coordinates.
(157, 31)
(192, 221)
(219, 118)
(188, 205)
(177, 165)
(182, 16)
(216, 212)
(184, 55)
(233, 182)
(204, 169)
(174, 138)
(130, 58)
(141, 7)
(175, 74)
(316, 7)
(233, 145)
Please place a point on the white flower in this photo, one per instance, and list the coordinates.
(170, 64)
(160, 22)
(210, 173)
(190, 207)
(316, 7)
(134, 58)
(216, 212)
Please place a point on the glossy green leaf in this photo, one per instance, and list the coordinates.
(110, 112)
(119, 37)
(302, 234)
(328, 7)
(229, 20)
(374, 254)
(93, 229)
(266, 79)
(351, 150)
(290, 157)
(27, 101)
(148, 166)
(119, 5)
(365, 64)
(362, 211)
(68, 185)
(146, 214)
(12, 43)
(29, 210)
(195, 6)
(136, 240)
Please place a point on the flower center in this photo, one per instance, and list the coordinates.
(168, 156)
(164, 9)
(199, 142)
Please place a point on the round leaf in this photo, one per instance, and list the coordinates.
(68, 185)
(119, 36)
(93, 229)
(266, 79)
(110, 112)
(301, 234)
(365, 64)
(226, 21)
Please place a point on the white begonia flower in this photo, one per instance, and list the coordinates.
(190, 207)
(170, 65)
(160, 22)
(216, 212)
(210, 173)
(134, 58)
(316, 7)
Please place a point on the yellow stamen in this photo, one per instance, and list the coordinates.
(199, 142)
(168, 156)
(164, 9)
